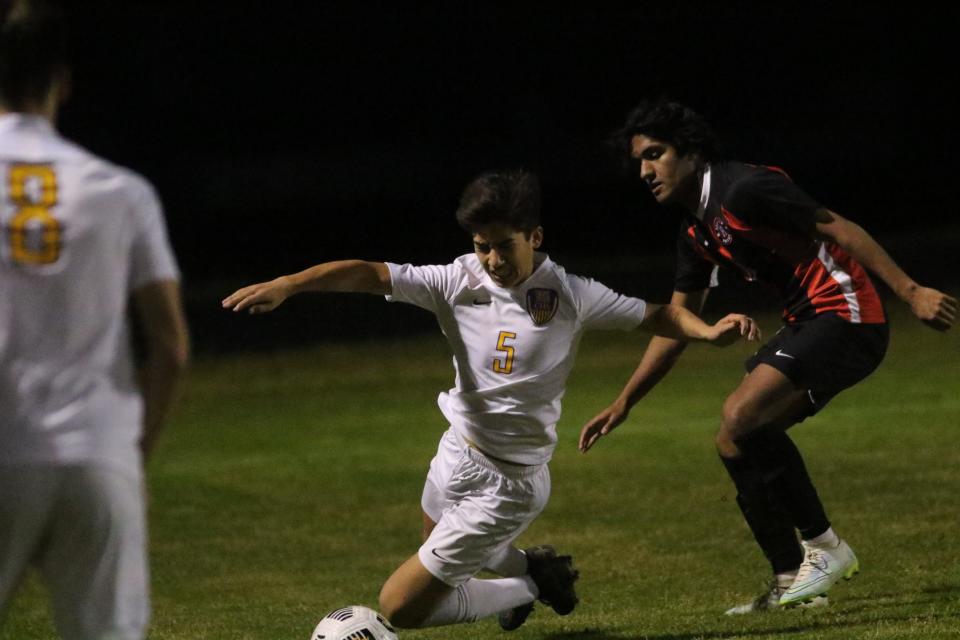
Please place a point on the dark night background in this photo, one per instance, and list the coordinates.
(281, 134)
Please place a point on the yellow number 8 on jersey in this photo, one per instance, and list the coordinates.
(34, 232)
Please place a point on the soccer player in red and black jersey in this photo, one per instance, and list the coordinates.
(754, 221)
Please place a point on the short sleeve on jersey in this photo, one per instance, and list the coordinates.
(694, 272)
(769, 198)
(429, 287)
(600, 307)
(151, 257)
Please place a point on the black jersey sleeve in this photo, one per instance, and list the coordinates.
(768, 197)
(694, 272)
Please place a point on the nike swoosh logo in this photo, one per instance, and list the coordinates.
(434, 552)
(481, 302)
(785, 355)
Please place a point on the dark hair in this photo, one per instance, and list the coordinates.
(669, 122)
(33, 50)
(506, 197)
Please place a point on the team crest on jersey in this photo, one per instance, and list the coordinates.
(542, 305)
(721, 232)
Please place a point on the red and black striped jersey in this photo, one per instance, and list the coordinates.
(757, 222)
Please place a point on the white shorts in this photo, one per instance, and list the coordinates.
(84, 528)
(479, 505)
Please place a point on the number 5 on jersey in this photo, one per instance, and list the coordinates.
(504, 365)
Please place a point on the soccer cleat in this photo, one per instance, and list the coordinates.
(554, 576)
(513, 618)
(820, 570)
(769, 600)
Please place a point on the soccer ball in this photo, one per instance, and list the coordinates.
(354, 623)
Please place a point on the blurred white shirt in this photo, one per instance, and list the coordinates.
(77, 236)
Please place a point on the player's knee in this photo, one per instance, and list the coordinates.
(400, 616)
(738, 419)
(388, 607)
(399, 612)
(726, 445)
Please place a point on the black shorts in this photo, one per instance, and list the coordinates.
(824, 355)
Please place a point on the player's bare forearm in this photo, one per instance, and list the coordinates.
(855, 240)
(661, 353)
(159, 381)
(673, 321)
(934, 307)
(656, 362)
(344, 276)
(678, 322)
(160, 310)
(660, 356)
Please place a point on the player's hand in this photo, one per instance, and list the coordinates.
(935, 308)
(602, 424)
(259, 298)
(733, 327)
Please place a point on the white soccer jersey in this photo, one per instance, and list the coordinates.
(513, 348)
(77, 236)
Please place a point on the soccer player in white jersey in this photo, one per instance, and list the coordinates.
(513, 319)
(79, 239)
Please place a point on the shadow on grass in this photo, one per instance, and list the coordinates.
(587, 634)
(928, 595)
(847, 618)
(942, 588)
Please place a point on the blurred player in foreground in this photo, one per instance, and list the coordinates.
(756, 222)
(513, 319)
(79, 239)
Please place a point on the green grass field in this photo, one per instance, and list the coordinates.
(289, 485)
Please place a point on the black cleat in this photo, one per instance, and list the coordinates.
(554, 576)
(514, 618)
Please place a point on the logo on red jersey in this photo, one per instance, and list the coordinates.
(721, 231)
(542, 305)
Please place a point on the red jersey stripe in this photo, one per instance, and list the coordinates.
(871, 307)
(833, 281)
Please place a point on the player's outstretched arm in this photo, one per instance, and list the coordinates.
(657, 360)
(676, 321)
(160, 309)
(345, 276)
(935, 308)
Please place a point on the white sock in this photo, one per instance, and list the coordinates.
(476, 599)
(828, 539)
(786, 579)
(508, 562)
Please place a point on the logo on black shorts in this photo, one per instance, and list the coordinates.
(542, 305)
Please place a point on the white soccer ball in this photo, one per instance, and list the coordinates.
(354, 623)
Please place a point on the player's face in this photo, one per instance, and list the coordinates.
(505, 253)
(672, 178)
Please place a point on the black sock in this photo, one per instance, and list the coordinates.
(770, 523)
(787, 480)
